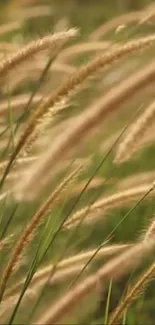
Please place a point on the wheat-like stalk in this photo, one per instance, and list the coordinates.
(116, 268)
(34, 223)
(109, 202)
(56, 84)
(134, 134)
(133, 294)
(31, 293)
(139, 286)
(84, 257)
(77, 79)
(52, 42)
(150, 232)
(84, 124)
(41, 126)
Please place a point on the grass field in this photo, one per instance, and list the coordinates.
(77, 162)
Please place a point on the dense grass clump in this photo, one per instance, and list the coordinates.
(77, 185)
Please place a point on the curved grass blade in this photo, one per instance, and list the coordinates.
(36, 260)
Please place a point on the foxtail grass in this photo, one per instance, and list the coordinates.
(51, 42)
(113, 269)
(134, 134)
(71, 84)
(93, 116)
(30, 230)
(109, 202)
(132, 295)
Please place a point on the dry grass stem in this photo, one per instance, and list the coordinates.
(51, 42)
(150, 232)
(34, 223)
(31, 293)
(109, 202)
(134, 134)
(69, 262)
(77, 79)
(71, 111)
(116, 268)
(93, 116)
(41, 126)
(133, 294)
